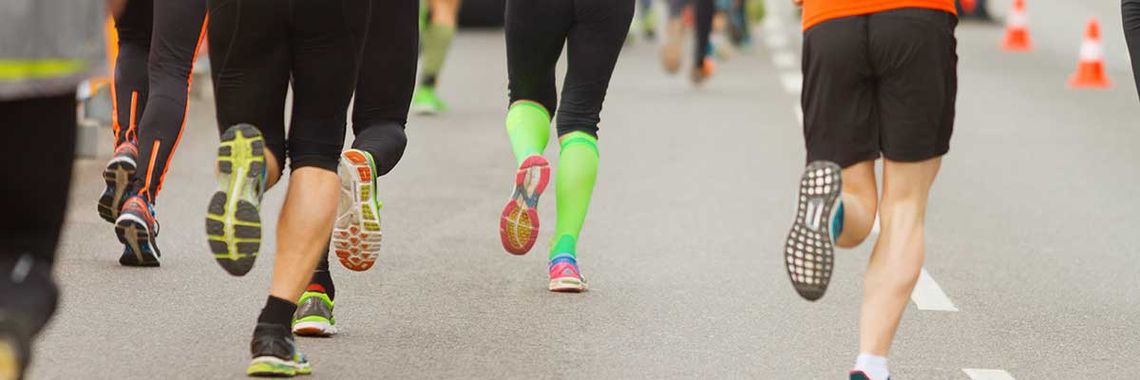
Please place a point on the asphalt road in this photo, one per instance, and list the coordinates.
(1031, 238)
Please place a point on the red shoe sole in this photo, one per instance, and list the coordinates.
(518, 224)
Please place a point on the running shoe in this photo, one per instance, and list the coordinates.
(564, 275)
(314, 315)
(426, 102)
(809, 250)
(859, 375)
(356, 233)
(671, 50)
(704, 71)
(518, 225)
(275, 354)
(137, 228)
(118, 174)
(233, 221)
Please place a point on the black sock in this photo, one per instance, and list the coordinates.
(277, 312)
(322, 277)
(384, 139)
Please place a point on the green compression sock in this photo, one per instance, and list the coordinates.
(528, 126)
(436, 42)
(577, 171)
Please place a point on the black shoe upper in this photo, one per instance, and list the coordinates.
(273, 340)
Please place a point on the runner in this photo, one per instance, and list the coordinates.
(593, 31)
(154, 81)
(440, 20)
(315, 46)
(880, 79)
(46, 49)
(671, 50)
(379, 114)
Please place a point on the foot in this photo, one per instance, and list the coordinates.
(233, 221)
(425, 102)
(117, 175)
(564, 275)
(809, 250)
(137, 228)
(356, 233)
(671, 50)
(704, 71)
(314, 315)
(275, 354)
(518, 224)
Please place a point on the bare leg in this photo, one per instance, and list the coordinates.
(860, 202)
(303, 229)
(897, 258)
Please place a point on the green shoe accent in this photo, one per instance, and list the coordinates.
(271, 366)
(314, 315)
(233, 221)
(577, 172)
(528, 127)
(427, 102)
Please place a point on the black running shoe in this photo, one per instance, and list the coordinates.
(809, 250)
(859, 375)
(275, 354)
(137, 228)
(233, 220)
(117, 175)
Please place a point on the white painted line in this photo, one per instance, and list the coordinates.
(776, 41)
(784, 60)
(927, 295)
(987, 374)
(793, 82)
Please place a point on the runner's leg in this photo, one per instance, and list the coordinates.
(438, 33)
(535, 32)
(28, 293)
(593, 46)
(1130, 12)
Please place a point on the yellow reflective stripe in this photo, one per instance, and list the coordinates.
(12, 69)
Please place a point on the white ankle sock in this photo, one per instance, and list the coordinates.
(874, 366)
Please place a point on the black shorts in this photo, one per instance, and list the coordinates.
(883, 83)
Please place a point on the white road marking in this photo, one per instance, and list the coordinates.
(776, 41)
(927, 295)
(987, 374)
(784, 60)
(793, 82)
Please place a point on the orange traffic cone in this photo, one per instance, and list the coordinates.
(1017, 29)
(1090, 66)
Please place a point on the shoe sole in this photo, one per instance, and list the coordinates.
(272, 366)
(518, 224)
(134, 234)
(356, 233)
(319, 329)
(567, 285)
(233, 221)
(117, 175)
(808, 251)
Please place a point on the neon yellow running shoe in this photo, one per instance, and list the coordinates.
(233, 221)
(314, 315)
(426, 102)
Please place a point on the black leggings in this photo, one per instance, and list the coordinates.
(40, 160)
(131, 85)
(387, 80)
(256, 46)
(1130, 9)
(592, 30)
(160, 66)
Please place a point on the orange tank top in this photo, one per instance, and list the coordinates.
(817, 11)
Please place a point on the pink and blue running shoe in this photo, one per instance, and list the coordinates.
(564, 275)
